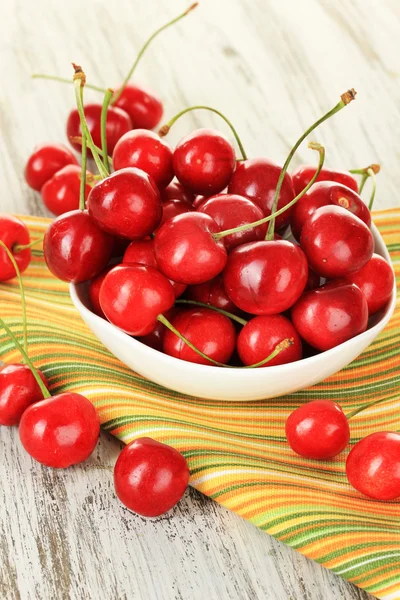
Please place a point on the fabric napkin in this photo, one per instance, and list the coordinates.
(237, 451)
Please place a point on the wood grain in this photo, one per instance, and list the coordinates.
(273, 67)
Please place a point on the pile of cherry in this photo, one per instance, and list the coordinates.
(210, 258)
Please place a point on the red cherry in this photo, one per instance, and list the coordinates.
(132, 296)
(260, 336)
(155, 339)
(176, 191)
(150, 477)
(373, 466)
(18, 389)
(126, 204)
(330, 315)
(313, 280)
(212, 292)
(45, 161)
(375, 279)
(60, 431)
(265, 278)
(256, 179)
(302, 176)
(13, 232)
(318, 430)
(172, 208)
(146, 151)
(198, 201)
(204, 161)
(336, 242)
(61, 193)
(94, 291)
(75, 248)
(118, 123)
(144, 108)
(186, 250)
(210, 332)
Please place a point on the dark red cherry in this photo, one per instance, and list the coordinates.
(313, 280)
(198, 201)
(144, 108)
(376, 280)
(302, 176)
(18, 389)
(172, 208)
(212, 292)
(176, 191)
(94, 291)
(45, 161)
(13, 233)
(61, 193)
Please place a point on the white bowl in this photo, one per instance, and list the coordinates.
(230, 384)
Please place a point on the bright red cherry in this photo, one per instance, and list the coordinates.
(204, 161)
(302, 176)
(75, 248)
(176, 191)
(126, 204)
(60, 431)
(132, 296)
(336, 242)
(260, 336)
(256, 179)
(318, 430)
(94, 291)
(18, 389)
(150, 477)
(172, 208)
(212, 292)
(375, 279)
(265, 278)
(118, 123)
(155, 339)
(144, 108)
(330, 315)
(145, 150)
(186, 250)
(13, 232)
(61, 193)
(373, 466)
(209, 331)
(45, 161)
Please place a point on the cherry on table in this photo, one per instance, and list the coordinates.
(61, 192)
(303, 175)
(375, 279)
(176, 191)
(144, 108)
(13, 233)
(18, 389)
(45, 161)
(212, 292)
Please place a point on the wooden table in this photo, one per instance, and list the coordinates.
(273, 67)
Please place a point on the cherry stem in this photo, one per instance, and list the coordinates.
(165, 128)
(363, 182)
(21, 290)
(65, 80)
(43, 388)
(313, 146)
(367, 172)
(77, 139)
(82, 183)
(220, 310)
(103, 127)
(19, 248)
(363, 407)
(371, 174)
(346, 98)
(283, 345)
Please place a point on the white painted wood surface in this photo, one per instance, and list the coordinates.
(273, 66)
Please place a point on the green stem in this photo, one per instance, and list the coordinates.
(103, 127)
(362, 183)
(220, 310)
(165, 128)
(82, 183)
(65, 80)
(19, 248)
(21, 290)
(371, 174)
(77, 139)
(354, 412)
(346, 98)
(277, 350)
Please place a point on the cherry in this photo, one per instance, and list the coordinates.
(13, 233)
(186, 251)
(210, 332)
(265, 278)
(212, 292)
(172, 208)
(313, 280)
(303, 175)
(375, 279)
(336, 242)
(260, 336)
(18, 389)
(318, 430)
(126, 204)
(176, 191)
(146, 151)
(94, 291)
(61, 193)
(330, 315)
(373, 466)
(199, 200)
(144, 108)
(150, 477)
(155, 339)
(45, 161)
(75, 248)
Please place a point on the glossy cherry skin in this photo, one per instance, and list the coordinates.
(118, 123)
(376, 280)
(259, 338)
(13, 232)
(150, 477)
(336, 242)
(265, 278)
(330, 315)
(176, 191)
(75, 248)
(145, 150)
(132, 296)
(61, 193)
(18, 389)
(373, 466)
(144, 108)
(302, 176)
(256, 179)
(212, 292)
(172, 208)
(318, 430)
(186, 250)
(45, 161)
(94, 291)
(126, 204)
(60, 431)
(209, 331)
(204, 161)
(324, 194)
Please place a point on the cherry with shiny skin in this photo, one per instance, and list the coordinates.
(144, 108)
(336, 242)
(13, 233)
(75, 248)
(145, 150)
(204, 161)
(18, 389)
(176, 191)
(94, 291)
(212, 292)
(45, 161)
(172, 208)
(376, 280)
(61, 193)
(126, 204)
(150, 477)
(303, 175)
